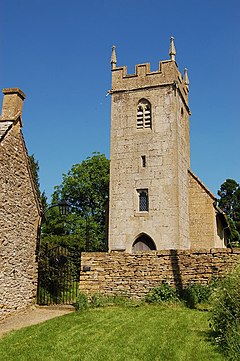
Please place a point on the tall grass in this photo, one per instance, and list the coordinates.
(226, 314)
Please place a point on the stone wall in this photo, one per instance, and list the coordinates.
(19, 221)
(136, 274)
(203, 216)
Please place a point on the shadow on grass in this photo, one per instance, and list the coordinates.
(210, 336)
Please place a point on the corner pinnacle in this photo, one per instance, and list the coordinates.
(113, 57)
(172, 50)
(185, 77)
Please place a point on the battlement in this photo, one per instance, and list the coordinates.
(143, 78)
(167, 73)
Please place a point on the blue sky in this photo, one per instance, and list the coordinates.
(58, 52)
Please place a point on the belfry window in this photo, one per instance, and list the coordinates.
(144, 116)
(143, 200)
(140, 117)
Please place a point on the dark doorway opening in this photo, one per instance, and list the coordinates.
(143, 244)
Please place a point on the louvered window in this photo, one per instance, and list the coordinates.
(144, 117)
(147, 117)
(140, 117)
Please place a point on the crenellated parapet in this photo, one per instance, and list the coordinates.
(167, 74)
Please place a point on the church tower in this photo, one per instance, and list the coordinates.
(150, 157)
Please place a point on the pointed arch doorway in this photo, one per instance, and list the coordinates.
(143, 244)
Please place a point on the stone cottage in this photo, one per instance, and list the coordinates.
(19, 211)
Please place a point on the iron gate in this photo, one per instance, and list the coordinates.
(58, 275)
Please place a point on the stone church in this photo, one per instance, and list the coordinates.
(156, 201)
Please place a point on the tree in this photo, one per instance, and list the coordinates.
(229, 202)
(86, 188)
(34, 165)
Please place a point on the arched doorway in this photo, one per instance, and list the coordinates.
(143, 244)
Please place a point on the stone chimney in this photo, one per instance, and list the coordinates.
(12, 103)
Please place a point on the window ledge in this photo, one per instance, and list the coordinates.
(141, 214)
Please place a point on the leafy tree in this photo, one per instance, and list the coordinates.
(34, 165)
(85, 187)
(229, 202)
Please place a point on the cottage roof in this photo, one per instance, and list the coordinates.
(4, 127)
(219, 211)
(12, 115)
(202, 185)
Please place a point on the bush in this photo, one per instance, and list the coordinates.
(100, 300)
(233, 342)
(226, 314)
(163, 293)
(195, 294)
(81, 302)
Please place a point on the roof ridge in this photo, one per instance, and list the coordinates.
(202, 184)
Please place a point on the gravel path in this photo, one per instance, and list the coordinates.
(33, 316)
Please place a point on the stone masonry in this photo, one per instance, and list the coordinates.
(19, 211)
(205, 218)
(134, 275)
(150, 157)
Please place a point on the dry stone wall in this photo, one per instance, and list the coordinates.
(136, 274)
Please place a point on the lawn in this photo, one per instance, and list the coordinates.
(144, 333)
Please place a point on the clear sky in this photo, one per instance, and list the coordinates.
(58, 52)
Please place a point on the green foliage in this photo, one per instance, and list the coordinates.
(226, 314)
(34, 165)
(58, 274)
(86, 188)
(101, 300)
(196, 293)
(81, 302)
(124, 300)
(72, 242)
(35, 170)
(234, 238)
(229, 202)
(163, 293)
(233, 342)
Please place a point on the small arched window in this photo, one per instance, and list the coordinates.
(143, 200)
(144, 116)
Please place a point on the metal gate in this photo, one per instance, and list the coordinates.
(58, 275)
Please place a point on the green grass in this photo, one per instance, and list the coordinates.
(145, 333)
